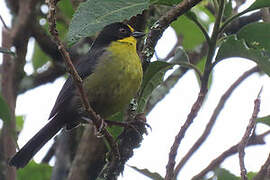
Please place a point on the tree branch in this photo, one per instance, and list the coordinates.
(253, 140)
(244, 141)
(159, 27)
(213, 118)
(96, 119)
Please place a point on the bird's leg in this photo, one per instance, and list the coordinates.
(139, 119)
(98, 130)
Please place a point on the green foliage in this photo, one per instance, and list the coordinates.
(232, 47)
(93, 15)
(19, 123)
(34, 171)
(256, 35)
(180, 56)
(192, 35)
(264, 120)
(223, 174)
(228, 9)
(66, 8)
(258, 4)
(147, 173)
(251, 175)
(4, 110)
(39, 57)
(116, 130)
(151, 79)
(166, 2)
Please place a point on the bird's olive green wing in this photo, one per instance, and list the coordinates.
(84, 68)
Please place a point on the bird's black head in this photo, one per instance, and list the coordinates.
(116, 31)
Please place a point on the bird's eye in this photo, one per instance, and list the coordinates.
(122, 30)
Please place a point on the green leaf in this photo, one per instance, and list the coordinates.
(34, 171)
(232, 47)
(4, 110)
(147, 173)
(180, 56)
(228, 9)
(166, 2)
(258, 4)
(151, 79)
(251, 175)
(264, 120)
(192, 35)
(19, 123)
(256, 35)
(66, 8)
(116, 130)
(39, 57)
(93, 15)
(6, 51)
(223, 174)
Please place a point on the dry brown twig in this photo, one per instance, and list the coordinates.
(97, 120)
(3, 22)
(245, 138)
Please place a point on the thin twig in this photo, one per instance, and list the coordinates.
(244, 141)
(3, 22)
(97, 121)
(254, 140)
(213, 118)
(202, 94)
(178, 138)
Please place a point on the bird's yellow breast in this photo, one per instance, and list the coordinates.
(116, 78)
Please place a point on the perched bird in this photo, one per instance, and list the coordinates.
(111, 73)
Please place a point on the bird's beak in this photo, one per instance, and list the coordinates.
(137, 34)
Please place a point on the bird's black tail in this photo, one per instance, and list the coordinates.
(25, 154)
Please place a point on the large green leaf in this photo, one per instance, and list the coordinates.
(166, 2)
(233, 47)
(4, 110)
(34, 171)
(93, 15)
(264, 120)
(192, 35)
(258, 4)
(256, 35)
(152, 78)
(66, 8)
(147, 173)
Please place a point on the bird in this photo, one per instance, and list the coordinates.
(112, 74)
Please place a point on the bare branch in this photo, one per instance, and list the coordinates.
(173, 152)
(3, 22)
(213, 118)
(244, 141)
(253, 140)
